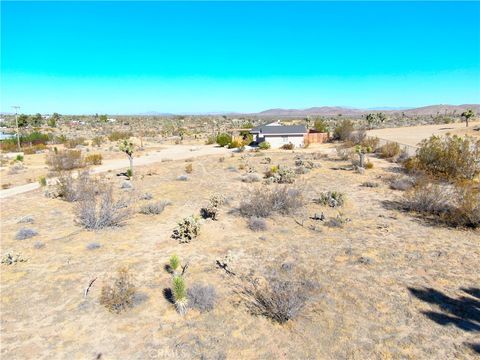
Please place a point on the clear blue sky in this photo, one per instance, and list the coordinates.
(183, 57)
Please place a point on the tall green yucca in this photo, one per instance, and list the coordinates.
(174, 262)
(179, 290)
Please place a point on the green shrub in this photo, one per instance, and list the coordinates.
(223, 139)
(331, 198)
(74, 142)
(42, 181)
(19, 157)
(179, 292)
(450, 157)
(187, 229)
(210, 140)
(321, 125)
(174, 263)
(264, 145)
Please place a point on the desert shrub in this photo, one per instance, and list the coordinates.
(97, 141)
(345, 153)
(331, 198)
(370, 142)
(261, 202)
(450, 157)
(96, 211)
(94, 159)
(343, 130)
(146, 196)
(288, 146)
(321, 125)
(34, 149)
(390, 150)
(210, 140)
(187, 229)
(93, 246)
(235, 144)
(264, 145)
(74, 142)
(357, 137)
(38, 245)
(120, 295)
(279, 300)
(213, 208)
(65, 160)
(369, 165)
(223, 139)
(429, 198)
(370, 184)
(24, 233)
(456, 205)
(189, 168)
(338, 221)
(401, 183)
(182, 178)
(251, 178)
(70, 189)
(42, 181)
(257, 224)
(19, 157)
(201, 297)
(280, 175)
(119, 135)
(28, 219)
(179, 292)
(153, 208)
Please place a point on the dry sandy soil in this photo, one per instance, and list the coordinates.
(412, 135)
(389, 285)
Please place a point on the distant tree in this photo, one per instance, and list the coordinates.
(321, 125)
(224, 139)
(381, 117)
(52, 120)
(23, 120)
(371, 119)
(467, 115)
(36, 120)
(247, 125)
(103, 118)
(127, 147)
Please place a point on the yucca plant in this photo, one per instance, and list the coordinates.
(179, 291)
(174, 263)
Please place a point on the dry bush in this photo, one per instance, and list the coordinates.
(94, 159)
(338, 221)
(257, 224)
(154, 208)
(262, 202)
(402, 183)
(343, 130)
(98, 141)
(280, 175)
(70, 189)
(288, 146)
(65, 160)
(189, 168)
(202, 298)
(467, 206)
(357, 137)
(390, 150)
(279, 300)
(119, 296)
(344, 153)
(251, 178)
(450, 157)
(429, 198)
(74, 142)
(119, 135)
(370, 184)
(97, 210)
(23, 234)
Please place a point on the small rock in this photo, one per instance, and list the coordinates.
(364, 260)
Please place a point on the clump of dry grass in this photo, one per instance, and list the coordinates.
(65, 160)
(262, 202)
(257, 224)
(278, 299)
(120, 295)
(202, 298)
(154, 208)
(390, 150)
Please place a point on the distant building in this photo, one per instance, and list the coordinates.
(278, 135)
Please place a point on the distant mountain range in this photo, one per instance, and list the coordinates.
(336, 110)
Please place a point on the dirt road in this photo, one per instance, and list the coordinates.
(174, 152)
(414, 134)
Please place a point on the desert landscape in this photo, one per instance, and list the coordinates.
(239, 180)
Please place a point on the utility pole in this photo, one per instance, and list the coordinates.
(16, 123)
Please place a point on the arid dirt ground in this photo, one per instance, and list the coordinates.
(390, 285)
(412, 135)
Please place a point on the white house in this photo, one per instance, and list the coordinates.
(277, 135)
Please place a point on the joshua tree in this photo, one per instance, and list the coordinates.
(361, 151)
(174, 263)
(371, 119)
(127, 147)
(179, 291)
(467, 115)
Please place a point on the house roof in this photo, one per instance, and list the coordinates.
(280, 130)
